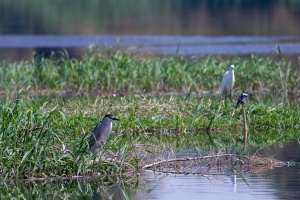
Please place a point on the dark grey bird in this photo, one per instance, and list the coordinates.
(100, 133)
(242, 98)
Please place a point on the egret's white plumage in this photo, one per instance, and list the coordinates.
(100, 133)
(227, 83)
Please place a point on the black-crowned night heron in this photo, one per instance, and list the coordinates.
(227, 83)
(243, 98)
(101, 132)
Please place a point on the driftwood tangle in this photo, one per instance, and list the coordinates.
(214, 164)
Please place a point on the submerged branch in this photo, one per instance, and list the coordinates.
(220, 160)
(185, 159)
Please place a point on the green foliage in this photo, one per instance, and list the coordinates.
(47, 135)
(42, 138)
(145, 14)
(130, 74)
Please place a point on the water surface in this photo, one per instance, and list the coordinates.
(278, 183)
(188, 27)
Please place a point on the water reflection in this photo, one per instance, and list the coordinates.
(62, 189)
(278, 183)
(198, 187)
(286, 179)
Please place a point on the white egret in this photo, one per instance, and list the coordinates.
(100, 133)
(227, 83)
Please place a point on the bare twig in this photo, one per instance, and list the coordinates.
(243, 160)
(188, 159)
(245, 126)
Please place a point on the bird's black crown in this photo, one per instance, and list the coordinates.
(110, 116)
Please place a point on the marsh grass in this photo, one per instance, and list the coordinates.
(43, 138)
(47, 135)
(123, 73)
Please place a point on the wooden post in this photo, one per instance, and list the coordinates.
(245, 126)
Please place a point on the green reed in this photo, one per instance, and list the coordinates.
(123, 73)
(48, 137)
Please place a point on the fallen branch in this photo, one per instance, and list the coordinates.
(188, 159)
(252, 160)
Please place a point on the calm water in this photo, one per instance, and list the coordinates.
(277, 183)
(189, 27)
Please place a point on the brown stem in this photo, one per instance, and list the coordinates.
(245, 126)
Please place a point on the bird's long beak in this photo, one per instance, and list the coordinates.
(115, 118)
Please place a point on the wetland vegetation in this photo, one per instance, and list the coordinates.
(45, 134)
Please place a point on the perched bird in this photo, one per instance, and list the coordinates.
(100, 133)
(227, 83)
(242, 98)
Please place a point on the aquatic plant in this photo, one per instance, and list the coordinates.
(44, 131)
(123, 73)
(48, 137)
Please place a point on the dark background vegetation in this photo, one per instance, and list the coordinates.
(184, 17)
